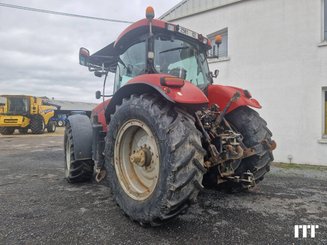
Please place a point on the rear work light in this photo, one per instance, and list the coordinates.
(170, 27)
(174, 82)
(187, 32)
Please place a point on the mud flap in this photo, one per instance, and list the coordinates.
(82, 136)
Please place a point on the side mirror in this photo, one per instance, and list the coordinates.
(98, 73)
(214, 74)
(84, 55)
(98, 94)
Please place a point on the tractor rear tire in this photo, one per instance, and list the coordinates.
(174, 155)
(75, 171)
(254, 131)
(51, 127)
(7, 130)
(37, 124)
(23, 130)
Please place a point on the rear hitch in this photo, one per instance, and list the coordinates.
(100, 174)
(247, 179)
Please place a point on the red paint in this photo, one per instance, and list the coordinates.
(100, 110)
(188, 94)
(141, 23)
(220, 95)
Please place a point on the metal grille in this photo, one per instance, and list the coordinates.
(11, 120)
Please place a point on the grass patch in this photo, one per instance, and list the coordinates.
(299, 166)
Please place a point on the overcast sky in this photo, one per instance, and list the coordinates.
(39, 52)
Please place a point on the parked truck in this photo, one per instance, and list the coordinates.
(167, 131)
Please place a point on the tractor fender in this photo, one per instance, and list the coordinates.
(129, 89)
(221, 95)
(82, 136)
(188, 94)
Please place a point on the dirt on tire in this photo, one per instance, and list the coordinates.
(181, 159)
(254, 131)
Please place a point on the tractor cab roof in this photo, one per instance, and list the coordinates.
(107, 57)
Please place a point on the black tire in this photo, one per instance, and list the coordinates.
(23, 130)
(254, 131)
(51, 127)
(181, 159)
(75, 171)
(37, 124)
(7, 130)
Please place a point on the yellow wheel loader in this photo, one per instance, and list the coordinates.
(24, 112)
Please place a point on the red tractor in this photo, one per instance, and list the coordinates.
(167, 131)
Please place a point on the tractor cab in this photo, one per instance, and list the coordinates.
(15, 105)
(2, 104)
(152, 46)
(172, 54)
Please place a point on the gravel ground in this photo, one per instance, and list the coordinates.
(37, 206)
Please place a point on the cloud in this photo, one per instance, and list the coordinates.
(39, 52)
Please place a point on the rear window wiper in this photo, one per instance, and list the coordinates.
(173, 49)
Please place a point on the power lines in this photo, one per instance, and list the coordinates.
(44, 11)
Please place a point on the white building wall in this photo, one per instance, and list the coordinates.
(274, 53)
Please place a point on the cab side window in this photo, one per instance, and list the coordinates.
(131, 64)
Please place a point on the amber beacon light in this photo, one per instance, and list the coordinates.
(218, 39)
(149, 13)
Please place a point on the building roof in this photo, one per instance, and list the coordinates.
(65, 105)
(191, 7)
(74, 106)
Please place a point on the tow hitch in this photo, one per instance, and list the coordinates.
(247, 180)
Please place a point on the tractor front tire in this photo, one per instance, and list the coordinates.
(75, 171)
(7, 130)
(254, 131)
(154, 159)
(37, 124)
(51, 127)
(23, 130)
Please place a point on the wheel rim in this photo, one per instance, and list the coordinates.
(68, 159)
(136, 159)
(60, 123)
